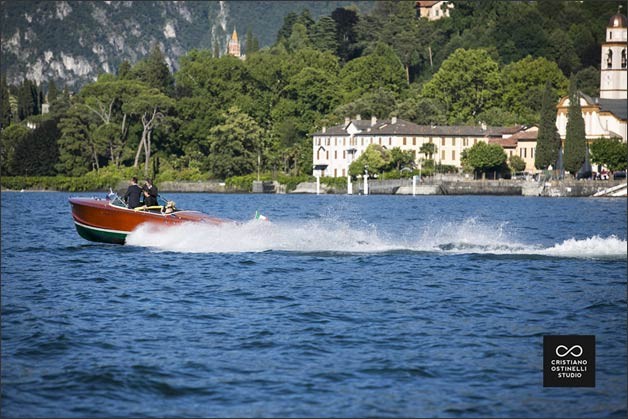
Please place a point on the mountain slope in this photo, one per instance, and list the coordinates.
(73, 42)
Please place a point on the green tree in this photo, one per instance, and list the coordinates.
(575, 137)
(305, 19)
(523, 86)
(548, 139)
(105, 99)
(517, 164)
(11, 137)
(396, 25)
(78, 151)
(346, 19)
(422, 111)
(313, 89)
(5, 112)
(379, 103)
(428, 149)
(53, 92)
(285, 31)
(375, 159)
(216, 50)
(562, 51)
(28, 100)
(324, 36)
(124, 70)
(467, 83)
(154, 71)
(252, 44)
(37, 154)
(151, 106)
(610, 152)
(400, 158)
(588, 80)
(380, 69)
(234, 145)
(299, 38)
(498, 116)
(483, 157)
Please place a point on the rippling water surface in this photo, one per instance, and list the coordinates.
(340, 306)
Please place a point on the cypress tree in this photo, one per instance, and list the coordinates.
(5, 116)
(124, 70)
(575, 139)
(216, 50)
(548, 141)
(26, 104)
(251, 45)
(52, 91)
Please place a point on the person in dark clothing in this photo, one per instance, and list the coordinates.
(150, 193)
(133, 194)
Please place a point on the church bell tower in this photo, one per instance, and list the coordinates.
(613, 68)
(233, 48)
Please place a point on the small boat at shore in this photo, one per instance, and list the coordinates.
(109, 220)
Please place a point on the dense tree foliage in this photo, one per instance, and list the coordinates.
(548, 139)
(610, 152)
(467, 83)
(575, 137)
(483, 157)
(499, 63)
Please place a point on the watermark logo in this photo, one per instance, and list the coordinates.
(569, 361)
(562, 351)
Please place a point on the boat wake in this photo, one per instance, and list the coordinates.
(325, 236)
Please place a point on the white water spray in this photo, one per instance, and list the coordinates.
(331, 236)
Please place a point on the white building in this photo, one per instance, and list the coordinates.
(433, 10)
(338, 146)
(605, 116)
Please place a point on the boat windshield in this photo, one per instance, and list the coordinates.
(116, 201)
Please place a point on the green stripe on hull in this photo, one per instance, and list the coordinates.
(100, 235)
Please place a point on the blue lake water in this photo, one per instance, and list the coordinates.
(340, 306)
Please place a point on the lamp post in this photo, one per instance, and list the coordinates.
(366, 179)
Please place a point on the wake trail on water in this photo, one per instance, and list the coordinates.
(331, 236)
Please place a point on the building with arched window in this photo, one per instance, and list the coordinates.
(605, 116)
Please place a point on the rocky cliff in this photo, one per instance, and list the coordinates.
(71, 42)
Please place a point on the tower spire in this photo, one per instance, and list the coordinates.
(233, 48)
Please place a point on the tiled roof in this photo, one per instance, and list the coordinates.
(617, 107)
(426, 3)
(509, 142)
(401, 127)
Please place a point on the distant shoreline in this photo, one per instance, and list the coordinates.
(565, 188)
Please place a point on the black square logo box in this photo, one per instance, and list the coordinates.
(569, 361)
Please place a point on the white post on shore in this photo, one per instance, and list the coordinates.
(414, 185)
(366, 184)
(318, 185)
(349, 186)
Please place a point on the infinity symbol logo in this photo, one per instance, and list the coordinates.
(563, 351)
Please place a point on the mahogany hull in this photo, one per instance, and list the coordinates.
(98, 220)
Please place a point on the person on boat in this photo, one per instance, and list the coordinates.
(133, 194)
(169, 208)
(150, 193)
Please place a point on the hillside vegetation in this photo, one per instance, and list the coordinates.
(217, 116)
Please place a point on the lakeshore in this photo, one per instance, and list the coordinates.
(446, 186)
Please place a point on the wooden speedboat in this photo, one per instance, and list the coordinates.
(110, 220)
